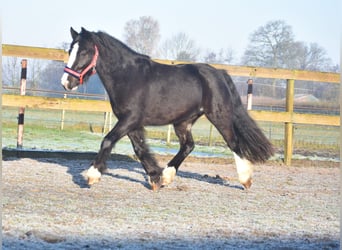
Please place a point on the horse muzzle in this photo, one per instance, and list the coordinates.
(66, 83)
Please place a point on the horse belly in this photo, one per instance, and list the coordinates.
(173, 107)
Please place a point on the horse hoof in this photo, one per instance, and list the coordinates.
(168, 175)
(166, 178)
(248, 183)
(93, 175)
(92, 181)
(155, 186)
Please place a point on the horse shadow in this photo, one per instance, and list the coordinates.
(131, 165)
(116, 162)
(215, 180)
(77, 164)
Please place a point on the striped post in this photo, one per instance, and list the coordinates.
(22, 109)
(249, 94)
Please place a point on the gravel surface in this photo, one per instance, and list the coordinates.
(47, 205)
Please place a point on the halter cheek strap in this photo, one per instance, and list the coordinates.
(91, 66)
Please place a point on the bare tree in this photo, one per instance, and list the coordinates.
(270, 45)
(273, 45)
(51, 75)
(179, 47)
(11, 71)
(312, 57)
(142, 35)
(34, 72)
(222, 56)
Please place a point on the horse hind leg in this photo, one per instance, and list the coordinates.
(183, 132)
(245, 171)
(243, 166)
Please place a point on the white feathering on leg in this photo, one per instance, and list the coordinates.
(168, 175)
(93, 175)
(245, 170)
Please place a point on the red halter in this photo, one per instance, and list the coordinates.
(92, 66)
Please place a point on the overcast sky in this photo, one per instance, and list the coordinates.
(212, 24)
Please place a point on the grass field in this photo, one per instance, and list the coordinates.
(84, 132)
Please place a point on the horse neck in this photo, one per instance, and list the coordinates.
(114, 54)
(115, 59)
(112, 66)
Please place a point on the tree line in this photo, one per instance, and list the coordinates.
(271, 45)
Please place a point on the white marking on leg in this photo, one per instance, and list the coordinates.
(168, 175)
(72, 58)
(245, 171)
(93, 175)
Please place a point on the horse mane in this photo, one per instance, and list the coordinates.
(110, 42)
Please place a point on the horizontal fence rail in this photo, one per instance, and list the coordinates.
(39, 102)
(289, 117)
(301, 75)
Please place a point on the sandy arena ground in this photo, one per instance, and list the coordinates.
(47, 205)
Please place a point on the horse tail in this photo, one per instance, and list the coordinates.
(250, 141)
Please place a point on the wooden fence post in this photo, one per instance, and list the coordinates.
(249, 94)
(168, 136)
(288, 140)
(22, 109)
(63, 115)
(105, 123)
(110, 121)
(107, 120)
(211, 135)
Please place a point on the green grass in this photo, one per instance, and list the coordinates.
(83, 132)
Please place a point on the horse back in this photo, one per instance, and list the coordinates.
(172, 93)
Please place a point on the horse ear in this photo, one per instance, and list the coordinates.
(83, 30)
(74, 34)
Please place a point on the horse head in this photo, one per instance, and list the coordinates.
(83, 55)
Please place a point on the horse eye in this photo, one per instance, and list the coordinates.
(83, 53)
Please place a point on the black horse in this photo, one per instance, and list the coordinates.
(143, 92)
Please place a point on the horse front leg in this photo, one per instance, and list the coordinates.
(147, 160)
(98, 166)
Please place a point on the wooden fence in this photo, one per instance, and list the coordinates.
(289, 117)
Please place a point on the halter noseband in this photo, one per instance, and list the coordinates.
(92, 66)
